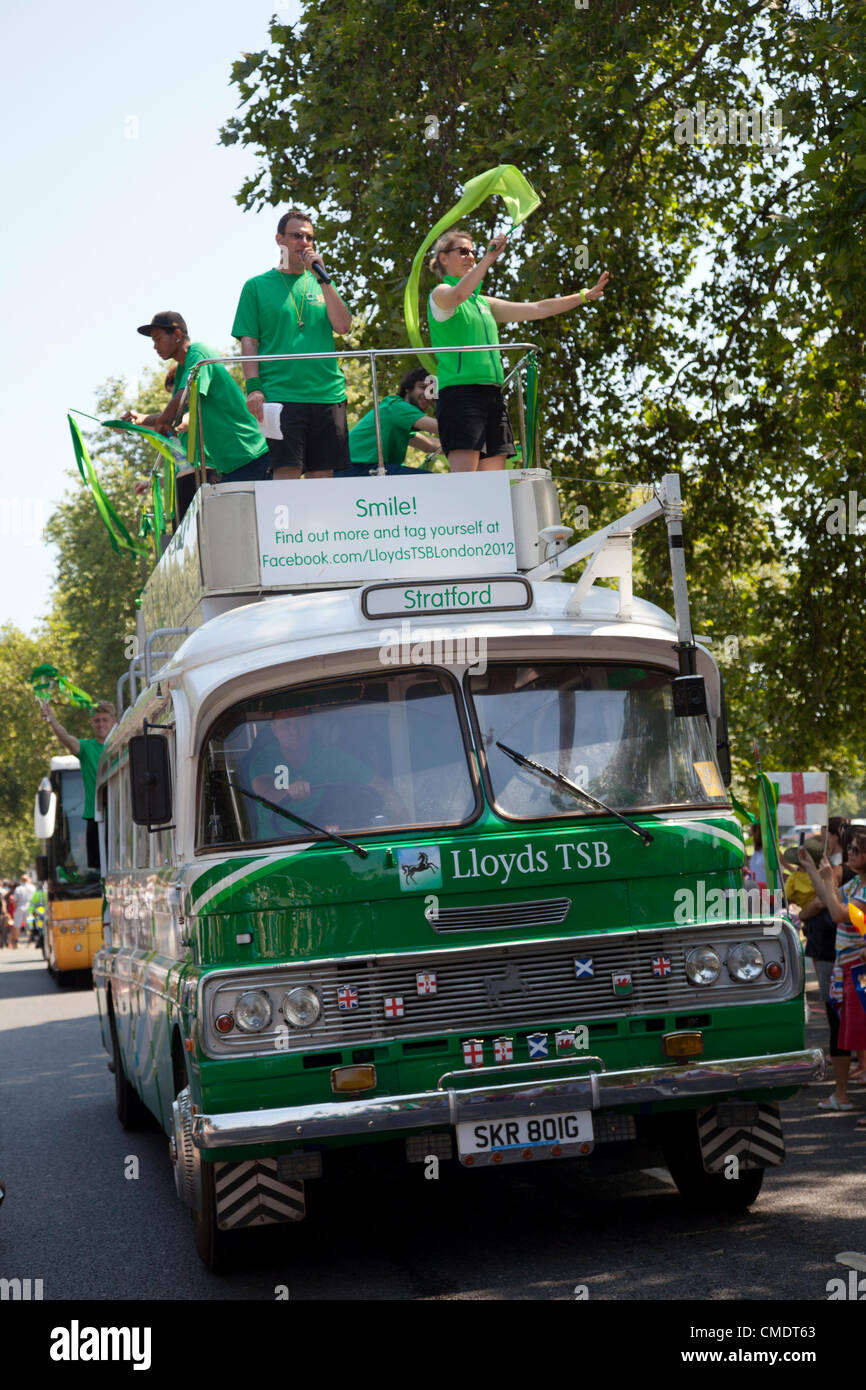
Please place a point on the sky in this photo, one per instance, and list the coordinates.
(118, 201)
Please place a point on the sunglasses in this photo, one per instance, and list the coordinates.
(461, 250)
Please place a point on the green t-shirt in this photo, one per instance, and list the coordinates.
(89, 753)
(472, 322)
(322, 763)
(397, 418)
(232, 437)
(287, 313)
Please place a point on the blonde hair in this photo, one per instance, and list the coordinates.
(443, 243)
(105, 707)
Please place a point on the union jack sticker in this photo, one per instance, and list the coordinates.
(661, 965)
(503, 1049)
(394, 1006)
(426, 981)
(347, 997)
(565, 1041)
(473, 1052)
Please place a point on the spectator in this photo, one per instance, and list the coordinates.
(851, 1034)
(21, 899)
(287, 310)
(5, 916)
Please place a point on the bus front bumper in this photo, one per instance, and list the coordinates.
(593, 1090)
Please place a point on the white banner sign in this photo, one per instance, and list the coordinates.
(802, 797)
(331, 530)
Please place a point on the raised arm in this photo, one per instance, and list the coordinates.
(506, 311)
(452, 296)
(68, 740)
(825, 888)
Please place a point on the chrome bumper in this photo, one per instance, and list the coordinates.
(595, 1090)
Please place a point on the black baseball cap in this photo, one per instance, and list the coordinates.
(168, 320)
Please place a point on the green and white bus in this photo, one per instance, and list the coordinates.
(410, 844)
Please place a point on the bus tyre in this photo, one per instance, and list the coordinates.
(131, 1110)
(701, 1190)
(195, 1185)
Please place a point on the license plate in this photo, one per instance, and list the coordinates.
(535, 1132)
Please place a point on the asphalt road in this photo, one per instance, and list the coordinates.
(73, 1219)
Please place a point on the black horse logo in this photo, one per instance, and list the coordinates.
(411, 871)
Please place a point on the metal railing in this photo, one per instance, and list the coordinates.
(372, 355)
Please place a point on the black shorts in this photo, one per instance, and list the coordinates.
(315, 438)
(256, 471)
(476, 418)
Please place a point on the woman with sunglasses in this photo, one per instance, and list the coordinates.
(474, 428)
(849, 952)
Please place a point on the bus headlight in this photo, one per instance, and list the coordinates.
(302, 1007)
(703, 965)
(745, 961)
(253, 1011)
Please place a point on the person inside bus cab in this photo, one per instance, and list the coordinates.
(234, 446)
(289, 765)
(88, 751)
(473, 419)
(401, 417)
(288, 310)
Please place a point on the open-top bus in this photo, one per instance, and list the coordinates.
(410, 843)
(72, 928)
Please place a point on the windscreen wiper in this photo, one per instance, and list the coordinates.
(307, 824)
(557, 777)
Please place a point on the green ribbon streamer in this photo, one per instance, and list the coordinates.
(44, 678)
(174, 458)
(520, 199)
(745, 816)
(768, 796)
(117, 532)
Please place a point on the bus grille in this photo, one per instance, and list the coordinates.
(548, 912)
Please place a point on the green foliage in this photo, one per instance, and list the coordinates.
(729, 346)
(27, 745)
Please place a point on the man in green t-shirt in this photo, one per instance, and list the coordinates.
(233, 443)
(289, 310)
(400, 419)
(88, 751)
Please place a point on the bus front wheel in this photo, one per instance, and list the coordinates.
(701, 1190)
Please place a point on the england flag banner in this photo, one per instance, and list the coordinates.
(803, 797)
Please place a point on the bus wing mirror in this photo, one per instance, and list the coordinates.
(150, 780)
(723, 747)
(44, 810)
(41, 867)
(690, 696)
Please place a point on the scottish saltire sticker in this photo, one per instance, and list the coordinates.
(473, 1052)
(347, 997)
(565, 1041)
(583, 967)
(622, 982)
(394, 1006)
(425, 982)
(538, 1045)
(661, 966)
(419, 868)
(503, 1049)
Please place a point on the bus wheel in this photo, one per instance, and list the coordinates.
(194, 1181)
(702, 1190)
(131, 1110)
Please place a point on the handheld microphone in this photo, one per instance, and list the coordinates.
(320, 273)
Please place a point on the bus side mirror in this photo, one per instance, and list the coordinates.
(44, 810)
(150, 780)
(723, 747)
(690, 696)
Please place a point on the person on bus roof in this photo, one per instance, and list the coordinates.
(88, 751)
(473, 420)
(400, 419)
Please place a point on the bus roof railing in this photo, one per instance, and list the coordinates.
(372, 355)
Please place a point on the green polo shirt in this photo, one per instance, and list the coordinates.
(471, 323)
(398, 419)
(89, 753)
(287, 313)
(232, 437)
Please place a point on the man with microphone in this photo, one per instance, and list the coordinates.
(295, 309)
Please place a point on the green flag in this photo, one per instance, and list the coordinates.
(117, 532)
(742, 814)
(520, 200)
(45, 678)
(768, 796)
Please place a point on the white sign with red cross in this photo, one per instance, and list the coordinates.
(803, 797)
(473, 1052)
